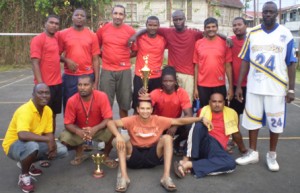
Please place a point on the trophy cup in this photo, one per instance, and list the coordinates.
(145, 71)
(98, 159)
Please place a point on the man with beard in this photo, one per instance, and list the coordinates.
(86, 116)
(180, 45)
(152, 46)
(212, 60)
(206, 148)
(30, 137)
(44, 54)
(115, 78)
(81, 52)
(268, 55)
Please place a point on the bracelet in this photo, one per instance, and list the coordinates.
(291, 91)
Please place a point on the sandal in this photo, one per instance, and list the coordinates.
(45, 163)
(179, 173)
(168, 184)
(122, 185)
(110, 163)
(78, 160)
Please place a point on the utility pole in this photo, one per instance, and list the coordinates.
(254, 15)
(279, 11)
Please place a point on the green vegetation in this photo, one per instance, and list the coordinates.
(298, 76)
(4, 68)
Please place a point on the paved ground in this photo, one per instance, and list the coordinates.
(16, 88)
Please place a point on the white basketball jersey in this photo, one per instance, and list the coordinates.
(268, 53)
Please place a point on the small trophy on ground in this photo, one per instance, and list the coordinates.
(98, 159)
(145, 71)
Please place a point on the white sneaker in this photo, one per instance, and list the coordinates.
(272, 163)
(218, 173)
(250, 157)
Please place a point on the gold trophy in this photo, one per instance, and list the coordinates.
(145, 71)
(98, 159)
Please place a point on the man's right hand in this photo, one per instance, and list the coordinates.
(120, 143)
(73, 66)
(196, 94)
(83, 134)
(131, 40)
(142, 91)
(239, 94)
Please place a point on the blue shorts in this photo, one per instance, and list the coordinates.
(70, 87)
(20, 150)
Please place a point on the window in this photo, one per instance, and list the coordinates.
(131, 9)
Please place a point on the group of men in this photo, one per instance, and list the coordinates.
(197, 66)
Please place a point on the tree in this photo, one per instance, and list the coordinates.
(64, 8)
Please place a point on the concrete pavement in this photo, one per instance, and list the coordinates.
(16, 88)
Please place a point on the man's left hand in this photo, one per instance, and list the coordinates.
(290, 97)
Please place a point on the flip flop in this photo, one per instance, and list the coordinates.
(45, 163)
(110, 163)
(122, 185)
(168, 184)
(178, 165)
(78, 160)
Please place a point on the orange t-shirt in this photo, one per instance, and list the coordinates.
(154, 48)
(211, 56)
(145, 134)
(46, 49)
(113, 43)
(79, 46)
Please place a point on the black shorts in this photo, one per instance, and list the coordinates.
(205, 92)
(154, 83)
(236, 105)
(144, 158)
(55, 102)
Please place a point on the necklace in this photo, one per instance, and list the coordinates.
(87, 111)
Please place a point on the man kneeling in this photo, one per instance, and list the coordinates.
(146, 147)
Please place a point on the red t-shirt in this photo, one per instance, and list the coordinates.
(181, 48)
(218, 132)
(79, 46)
(113, 43)
(211, 56)
(236, 61)
(76, 111)
(170, 105)
(154, 48)
(145, 134)
(46, 49)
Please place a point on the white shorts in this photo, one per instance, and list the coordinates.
(261, 109)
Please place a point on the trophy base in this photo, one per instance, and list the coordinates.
(98, 174)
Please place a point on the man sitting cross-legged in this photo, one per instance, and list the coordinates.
(206, 146)
(86, 115)
(146, 147)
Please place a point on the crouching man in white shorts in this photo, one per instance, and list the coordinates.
(268, 55)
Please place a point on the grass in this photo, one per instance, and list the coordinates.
(298, 76)
(4, 68)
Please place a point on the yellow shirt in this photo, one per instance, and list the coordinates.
(27, 118)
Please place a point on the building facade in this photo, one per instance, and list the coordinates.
(196, 12)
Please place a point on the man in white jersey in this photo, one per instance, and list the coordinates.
(268, 52)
